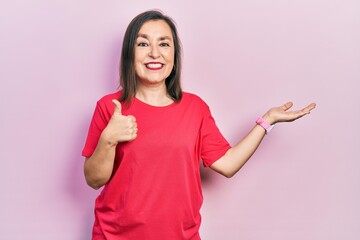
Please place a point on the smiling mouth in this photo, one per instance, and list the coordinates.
(154, 66)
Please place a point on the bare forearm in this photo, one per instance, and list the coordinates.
(99, 167)
(238, 155)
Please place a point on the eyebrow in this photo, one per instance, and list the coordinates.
(147, 37)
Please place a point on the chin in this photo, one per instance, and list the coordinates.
(152, 81)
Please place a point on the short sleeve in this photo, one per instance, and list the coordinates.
(98, 123)
(213, 143)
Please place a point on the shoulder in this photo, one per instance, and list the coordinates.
(109, 97)
(195, 103)
(105, 104)
(193, 98)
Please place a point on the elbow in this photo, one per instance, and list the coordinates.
(94, 184)
(94, 177)
(94, 181)
(222, 167)
(228, 174)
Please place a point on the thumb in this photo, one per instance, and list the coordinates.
(117, 109)
(286, 106)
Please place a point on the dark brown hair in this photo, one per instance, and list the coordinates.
(128, 78)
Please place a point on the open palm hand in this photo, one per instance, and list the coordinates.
(282, 113)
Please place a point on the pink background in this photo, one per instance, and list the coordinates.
(242, 57)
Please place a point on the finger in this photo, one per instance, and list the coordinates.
(304, 111)
(133, 135)
(133, 125)
(307, 109)
(286, 106)
(132, 118)
(310, 107)
(117, 108)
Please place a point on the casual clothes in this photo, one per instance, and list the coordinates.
(155, 190)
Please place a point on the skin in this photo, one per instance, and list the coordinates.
(98, 168)
(237, 156)
(155, 45)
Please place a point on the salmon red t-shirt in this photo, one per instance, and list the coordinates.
(155, 190)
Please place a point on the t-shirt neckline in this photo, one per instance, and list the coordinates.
(144, 104)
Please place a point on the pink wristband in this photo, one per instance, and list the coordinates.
(260, 121)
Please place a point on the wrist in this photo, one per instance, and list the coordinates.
(267, 118)
(263, 123)
(107, 140)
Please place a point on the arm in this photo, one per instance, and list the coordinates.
(99, 167)
(237, 156)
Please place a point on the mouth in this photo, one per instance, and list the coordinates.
(154, 65)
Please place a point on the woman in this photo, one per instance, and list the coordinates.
(145, 141)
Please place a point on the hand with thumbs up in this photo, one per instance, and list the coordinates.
(120, 128)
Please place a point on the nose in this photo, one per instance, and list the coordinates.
(154, 52)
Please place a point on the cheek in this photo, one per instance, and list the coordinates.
(138, 68)
(139, 55)
(170, 56)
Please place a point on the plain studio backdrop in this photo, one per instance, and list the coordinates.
(57, 58)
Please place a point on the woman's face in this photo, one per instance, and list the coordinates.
(154, 53)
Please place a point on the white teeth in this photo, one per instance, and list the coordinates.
(154, 65)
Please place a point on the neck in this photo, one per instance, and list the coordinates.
(153, 95)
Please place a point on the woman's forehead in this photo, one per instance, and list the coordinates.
(158, 29)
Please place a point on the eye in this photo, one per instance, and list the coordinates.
(142, 44)
(164, 44)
